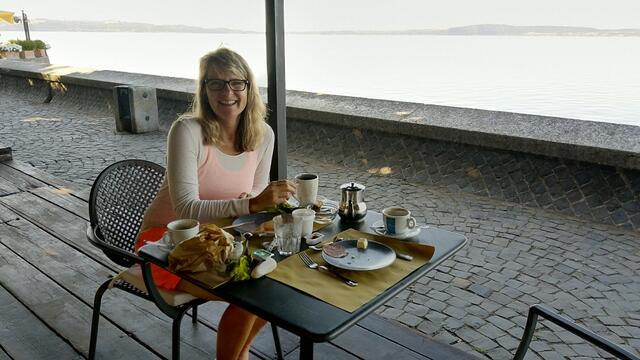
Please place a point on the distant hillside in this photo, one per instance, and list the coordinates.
(492, 29)
(497, 30)
(112, 26)
(482, 29)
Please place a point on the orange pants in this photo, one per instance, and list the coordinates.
(161, 277)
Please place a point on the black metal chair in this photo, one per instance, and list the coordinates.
(563, 322)
(118, 199)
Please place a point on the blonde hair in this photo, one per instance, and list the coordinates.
(251, 128)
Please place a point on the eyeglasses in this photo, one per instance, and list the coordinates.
(234, 84)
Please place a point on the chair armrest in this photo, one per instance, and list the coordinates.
(570, 326)
(154, 293)
(152, 290)
(110, 250)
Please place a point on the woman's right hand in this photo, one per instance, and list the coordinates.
(277, 192)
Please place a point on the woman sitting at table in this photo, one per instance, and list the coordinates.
(218, 161)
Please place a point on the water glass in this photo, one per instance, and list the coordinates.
(288, 231)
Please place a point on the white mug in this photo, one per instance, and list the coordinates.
(182, 229)
(307, 188)
(397, 220)
(307, 216)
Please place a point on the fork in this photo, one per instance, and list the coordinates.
(313, 265)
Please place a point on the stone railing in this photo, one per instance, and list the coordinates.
(580, 168)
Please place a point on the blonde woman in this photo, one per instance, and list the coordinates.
(218, 161)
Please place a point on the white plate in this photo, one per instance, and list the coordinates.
(375, 256)
(378, 228)
(323, 220)
(252, 221)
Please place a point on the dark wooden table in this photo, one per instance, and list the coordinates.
(302, 314)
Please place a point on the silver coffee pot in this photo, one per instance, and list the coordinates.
(352, 207)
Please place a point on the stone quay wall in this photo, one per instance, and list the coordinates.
(586, 169)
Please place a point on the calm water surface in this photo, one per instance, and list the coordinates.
(587, 78)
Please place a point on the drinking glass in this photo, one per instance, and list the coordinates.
(307, 216)
(288, 230)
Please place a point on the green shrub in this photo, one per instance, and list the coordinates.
(39, 44)
(26, 44)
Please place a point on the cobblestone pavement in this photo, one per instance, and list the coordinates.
(477, 301)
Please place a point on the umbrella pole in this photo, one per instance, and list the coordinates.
(25, 23)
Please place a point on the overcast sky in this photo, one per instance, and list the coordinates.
(302, 15)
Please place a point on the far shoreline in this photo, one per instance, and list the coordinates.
(46, 25)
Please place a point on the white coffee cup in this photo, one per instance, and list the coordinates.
(307, 216)
(397, 220)
(307, 188)
(182, 229)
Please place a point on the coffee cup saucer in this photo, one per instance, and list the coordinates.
(164, 242)
(378, 228)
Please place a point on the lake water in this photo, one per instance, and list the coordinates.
(591, 78)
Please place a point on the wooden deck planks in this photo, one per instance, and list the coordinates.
(326, 351)
(4, 355)
(408, 338)
(60, 310)
(56, 221)
(16, 181)
(79, 191)
(64, 200)
(24, 336)
(7, 187)
(367, 345)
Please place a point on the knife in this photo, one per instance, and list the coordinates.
(232, 226)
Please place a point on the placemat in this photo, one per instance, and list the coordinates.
(332, 290)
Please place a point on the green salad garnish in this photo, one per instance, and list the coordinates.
(284, 208)
(240, 269)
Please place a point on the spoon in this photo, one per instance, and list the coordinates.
(383, 230)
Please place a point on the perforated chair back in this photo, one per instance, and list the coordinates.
(119, 197)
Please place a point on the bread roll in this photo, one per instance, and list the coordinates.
(264, 268)
(266, 226)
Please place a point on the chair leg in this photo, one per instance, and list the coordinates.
(194, 314)
(175, 336)
(95, 318)
(276, 341)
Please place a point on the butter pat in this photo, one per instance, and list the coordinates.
(362, 243)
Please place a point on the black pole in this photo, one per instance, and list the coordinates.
(25, 23)
(276, 91)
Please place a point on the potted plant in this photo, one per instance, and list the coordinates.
(41, 48)
(28, 48)
(10, 51)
